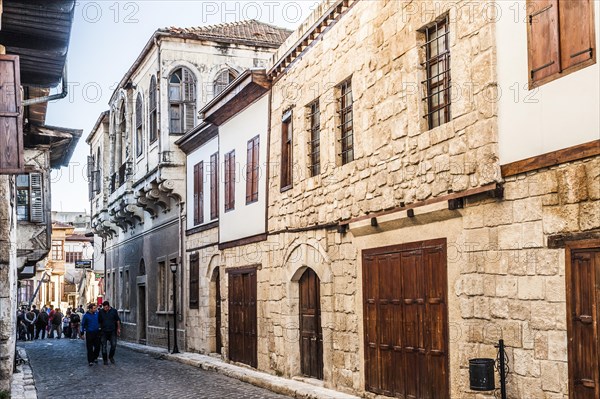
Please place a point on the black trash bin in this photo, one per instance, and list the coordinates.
(481, 374)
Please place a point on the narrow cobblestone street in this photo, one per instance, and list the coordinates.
(60, 370)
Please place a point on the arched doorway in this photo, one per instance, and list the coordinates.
(311, 333)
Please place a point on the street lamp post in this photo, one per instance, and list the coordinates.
(173, 266)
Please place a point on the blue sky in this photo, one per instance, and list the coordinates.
(106, 38)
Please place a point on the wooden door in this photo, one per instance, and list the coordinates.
(583, 313)
(242, 317)
(405, 320)
(311, 334)
(142, 314)
(219, 342)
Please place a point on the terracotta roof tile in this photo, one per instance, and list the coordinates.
(251, 32)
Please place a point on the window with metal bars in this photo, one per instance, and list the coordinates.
(199, 193)
(139, 138)
(437, 66)
(214, 186)
(182, 101)
(346, 121)
(252, 170)
(314, 153)
(286, 151)
(230, 181)
(153, 120)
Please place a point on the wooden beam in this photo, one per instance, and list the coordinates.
(467, 193)
(553, 158)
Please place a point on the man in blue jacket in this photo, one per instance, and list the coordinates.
(91, 328)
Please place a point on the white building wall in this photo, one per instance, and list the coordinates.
(202, 154)
(558, 114)
(244, 220)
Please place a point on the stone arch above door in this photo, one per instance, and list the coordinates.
(302, 254)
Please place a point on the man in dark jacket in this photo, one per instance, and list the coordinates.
(56, 321)
(91, 328)
(110, 326)
(41, 324)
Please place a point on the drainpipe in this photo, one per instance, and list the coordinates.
(52, 97)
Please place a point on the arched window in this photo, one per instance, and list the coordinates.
(222, 81)
(139, 136)
(142, 271)
(153, 125)
(98, 175)
(182, 100)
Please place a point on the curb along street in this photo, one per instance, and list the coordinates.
(284, 386)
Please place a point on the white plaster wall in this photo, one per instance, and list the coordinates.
(201, 154)
(558, 114)
(244, 220)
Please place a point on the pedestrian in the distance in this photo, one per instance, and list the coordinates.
(30, 318)
(110, 326)
(75, 324)
(66, 324)
(91, 328)
(41, 324)
(56, 322)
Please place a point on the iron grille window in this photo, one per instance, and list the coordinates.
(153, 122)
(182, 100)
(252, 170)
(230, 181)
(139, 138)
(314, 117)
(286, 151)
(194, 281)
(214, 186)
(437, 66)
(222, 81)
(346, 122)
(199, 193)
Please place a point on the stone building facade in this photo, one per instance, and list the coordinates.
(494, 227)
(138, 198)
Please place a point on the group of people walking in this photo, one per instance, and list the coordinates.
(97, 327)
(34, 324)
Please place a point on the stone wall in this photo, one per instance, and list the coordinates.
(8, 280)
(397, 160)
(512, 286)
(200, 323)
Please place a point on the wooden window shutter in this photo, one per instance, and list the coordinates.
(11, 118)
(194, 281)
(90, 176)
(189, 97)
(255, 169)
(542, 35)
(37, 197)
(198, 193)
(576, 32)
(252, 170)
(230, 181)
(249, 167)
(214, 186)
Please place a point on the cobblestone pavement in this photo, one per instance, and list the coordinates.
(60, 370)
